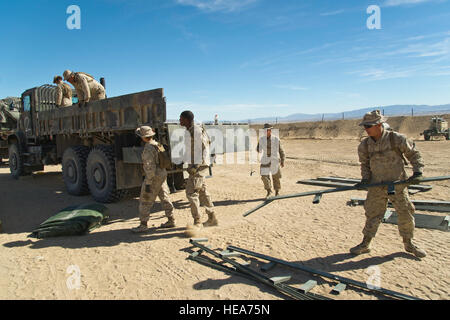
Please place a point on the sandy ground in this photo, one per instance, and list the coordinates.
(116, 264)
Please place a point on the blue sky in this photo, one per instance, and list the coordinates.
(241, 59)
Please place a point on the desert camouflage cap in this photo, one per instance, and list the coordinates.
(145, 132)
(372, 118)
(67, 74)
(56, 78)
(267, 126)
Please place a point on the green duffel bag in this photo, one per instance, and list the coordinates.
(72, 221)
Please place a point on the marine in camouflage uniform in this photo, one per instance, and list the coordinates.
(198, 159)
(63, 92)
(154, 185)
(270, 163)
(381, 158)
(88, 89)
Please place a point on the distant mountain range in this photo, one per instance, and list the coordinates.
(389, 111)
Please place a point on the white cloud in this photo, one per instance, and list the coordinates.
(395, 3)
(291, 87)
(332, 13)
(217, 5)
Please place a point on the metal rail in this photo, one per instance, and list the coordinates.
(281, 287)
(390, 185)
(348, 281)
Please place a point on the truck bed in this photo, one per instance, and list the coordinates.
(120, 113)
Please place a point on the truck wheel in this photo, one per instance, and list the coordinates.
(101, 174)
(74, 170)
(427, 137)
(15, 161)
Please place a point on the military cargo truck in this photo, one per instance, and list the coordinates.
(438, 127)
(96, 143)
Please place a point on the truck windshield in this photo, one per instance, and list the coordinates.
(26, 103)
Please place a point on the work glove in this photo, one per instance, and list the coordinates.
(192, 169)
(360, 185)
(416, 178)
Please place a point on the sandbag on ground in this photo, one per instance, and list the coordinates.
(71, 221)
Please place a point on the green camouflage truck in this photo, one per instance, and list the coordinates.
(96, 144)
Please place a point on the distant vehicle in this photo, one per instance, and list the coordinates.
(438, 127)
(96, 144)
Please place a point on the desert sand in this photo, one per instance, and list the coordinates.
(116, 264)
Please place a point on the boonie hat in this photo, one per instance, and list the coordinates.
(267, 126)
(145, 132)
(373, 118)
(67, 74)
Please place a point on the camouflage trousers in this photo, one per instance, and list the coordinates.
(158, 188)
(265, 177)
(97, 93)
(196, 192)
(375, 207)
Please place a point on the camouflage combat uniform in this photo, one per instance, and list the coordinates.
(270, 163)
(88, 89)
(199, 161)
(63, 95)
(154, 185)
(381, 163)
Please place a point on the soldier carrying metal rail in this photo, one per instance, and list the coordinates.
(381, 157)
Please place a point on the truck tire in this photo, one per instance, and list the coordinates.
(447, 136)
(15, 161)
(427, 137)
(101, 174)
(74, 170)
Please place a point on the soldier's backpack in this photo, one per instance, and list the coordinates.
(163, 157)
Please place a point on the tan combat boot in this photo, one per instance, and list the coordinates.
(140, 229)
(269, 193)
(277, 193)
(198, 223)
(363, 247)
(412, 248)
(212, 221)
(169, 224)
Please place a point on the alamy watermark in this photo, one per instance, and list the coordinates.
(374, 280)
(228, 145)
(74, 281)
(374, 21)
(74, 20)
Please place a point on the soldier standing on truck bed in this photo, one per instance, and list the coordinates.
(155, 184)
(270, 163)
(63, 92)
(88, 89)
(381, 158)
(197, 150)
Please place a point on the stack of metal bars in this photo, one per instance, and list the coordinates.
(342, 281)
(245, 271)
